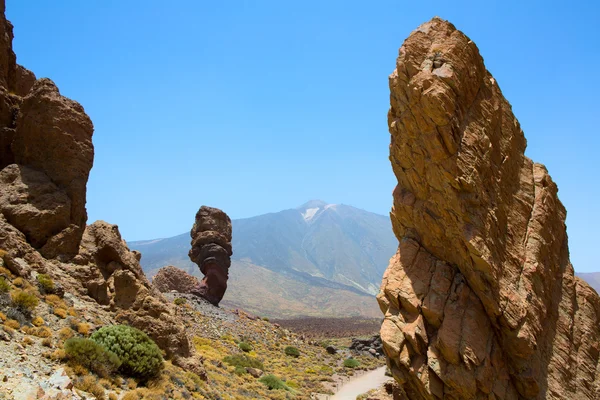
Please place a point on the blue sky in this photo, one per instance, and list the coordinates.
(258, 106)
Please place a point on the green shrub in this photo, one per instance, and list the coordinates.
(179, 301)
(45, 283)
(273, 382)
(92, 355)
(292, 351)
(4, 286)
(24, 301)
(265, 319)
(139, 355)
(351, 363)
(243, 360)
(239, 370)
(245, 347)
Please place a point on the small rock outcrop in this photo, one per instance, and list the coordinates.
(211, 251)
(172, 278)
(112, 275)
(46, 154)
(480, 300)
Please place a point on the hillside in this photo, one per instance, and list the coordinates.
(317, 259)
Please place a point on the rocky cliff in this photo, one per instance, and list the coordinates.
(46, 154)
(480, 300)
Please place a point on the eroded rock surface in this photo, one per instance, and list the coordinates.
(46, 142)
(172, 278)
(112, 275)
(211, 251)
(480, 300)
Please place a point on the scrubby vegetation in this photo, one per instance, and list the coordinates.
(292, 351)
(4, 286)
(24, 301)
(45, 283)
(274, 383)
(242, 361)
(351, 363)
(179, 301)
(243, 357)
(91, 355)
(246, 347)
(139, 355)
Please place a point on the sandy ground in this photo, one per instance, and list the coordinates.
(359, 385)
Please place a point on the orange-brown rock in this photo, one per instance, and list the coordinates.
(480, 300)
(46, 140)
(172, 278)
(211, 251)
(112, 275)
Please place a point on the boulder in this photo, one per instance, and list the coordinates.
(171, 278)
(211, 251)
(480, 300)
(54, 136)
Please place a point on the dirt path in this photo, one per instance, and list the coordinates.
(359, 385)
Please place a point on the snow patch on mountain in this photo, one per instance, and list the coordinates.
(309, 213)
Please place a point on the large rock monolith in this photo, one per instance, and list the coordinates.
(211, 251)
(480, 300)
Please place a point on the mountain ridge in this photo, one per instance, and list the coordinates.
(319, 246)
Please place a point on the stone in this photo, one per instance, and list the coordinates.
(211, 251)
(60, 380)
(255, 372)
(331, 350)
(54, 136)
(480, 300)
(171, 278)
(32, 203)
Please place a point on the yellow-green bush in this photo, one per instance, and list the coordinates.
(23, 300)
(92, 356)
(4, 285)
(245, 347)
(292, 351)
(242, 360)
(139, 355)
(351, 363)
(273, 382)
(45, 283)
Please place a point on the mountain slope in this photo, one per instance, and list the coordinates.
(337, 251)
(337, 242)
(592, 278)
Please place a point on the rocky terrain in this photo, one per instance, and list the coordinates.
(480, 300)
(63, 282)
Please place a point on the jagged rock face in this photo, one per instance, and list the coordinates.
(47, 135)
(172, 278)
(480, 300)
(113, 276)
(211, 251)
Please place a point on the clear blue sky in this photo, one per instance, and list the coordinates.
(258, 106)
